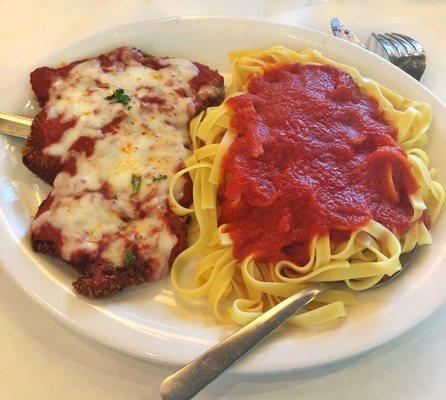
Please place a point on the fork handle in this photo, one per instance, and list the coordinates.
(189, 380)
(341, 30)
(15, 125)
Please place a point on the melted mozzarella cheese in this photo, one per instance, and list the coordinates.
(97, 210)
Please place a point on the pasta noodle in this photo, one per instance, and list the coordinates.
(239, 291)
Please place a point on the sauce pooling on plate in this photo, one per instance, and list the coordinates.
(314, 156)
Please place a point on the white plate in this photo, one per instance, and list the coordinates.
(146, 321)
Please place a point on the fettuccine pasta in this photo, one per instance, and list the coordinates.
(240, 290)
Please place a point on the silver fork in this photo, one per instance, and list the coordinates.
(402, 50)
(189, 380)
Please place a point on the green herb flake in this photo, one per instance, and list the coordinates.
(119, 96)
(136, 183)
(159, 178)
(129, 257)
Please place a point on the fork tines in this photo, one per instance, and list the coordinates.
(403, 51)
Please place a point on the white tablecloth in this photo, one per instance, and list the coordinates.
(40, 359)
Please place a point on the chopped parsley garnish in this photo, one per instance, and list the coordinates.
(136, 183)
(119, 96)
(129, 257)
(159, 178)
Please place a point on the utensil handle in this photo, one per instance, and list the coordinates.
(189, 380)
(15, 125)
(341, 30)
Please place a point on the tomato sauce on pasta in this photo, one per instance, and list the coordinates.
(313, 156)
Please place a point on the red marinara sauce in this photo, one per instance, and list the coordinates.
(313, 156)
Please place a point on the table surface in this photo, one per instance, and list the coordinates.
(40, 359)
